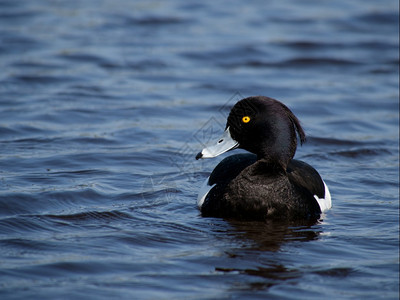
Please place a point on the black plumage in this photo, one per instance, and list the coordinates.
(268, 184)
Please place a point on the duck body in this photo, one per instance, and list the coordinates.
(267, 183)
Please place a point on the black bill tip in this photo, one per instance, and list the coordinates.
(199, 155)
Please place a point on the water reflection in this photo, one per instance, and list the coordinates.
(270, 235)
(257, 250)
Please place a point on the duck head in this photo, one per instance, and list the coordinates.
(263, 126)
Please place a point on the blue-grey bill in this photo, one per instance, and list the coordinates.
(224, 144)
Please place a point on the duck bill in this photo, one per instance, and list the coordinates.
(223, 144)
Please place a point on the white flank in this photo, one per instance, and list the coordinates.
(205, 188)
(324, 203)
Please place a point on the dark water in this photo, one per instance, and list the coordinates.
(104, 104)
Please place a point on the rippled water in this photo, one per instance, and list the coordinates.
(104, 104)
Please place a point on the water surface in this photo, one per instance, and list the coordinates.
(104, 105)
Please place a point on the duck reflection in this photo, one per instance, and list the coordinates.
(271, 234)
(256, 252)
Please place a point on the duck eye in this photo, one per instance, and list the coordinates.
(246, 119)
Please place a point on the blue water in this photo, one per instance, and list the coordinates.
(104, 105)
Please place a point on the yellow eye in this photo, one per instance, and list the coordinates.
(246, 119)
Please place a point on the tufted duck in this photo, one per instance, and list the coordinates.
(266, 183)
